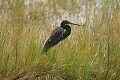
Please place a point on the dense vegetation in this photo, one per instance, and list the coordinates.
(92, 52)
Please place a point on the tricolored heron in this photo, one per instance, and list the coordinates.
(58, 34)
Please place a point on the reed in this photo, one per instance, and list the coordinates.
(91, 52)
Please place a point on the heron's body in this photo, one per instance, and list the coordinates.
(58, 34)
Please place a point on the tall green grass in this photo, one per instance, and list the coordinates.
(91, 52)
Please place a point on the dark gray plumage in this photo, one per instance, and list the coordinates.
(58, 34)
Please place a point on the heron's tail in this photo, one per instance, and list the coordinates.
(46, 47)
(44, 50)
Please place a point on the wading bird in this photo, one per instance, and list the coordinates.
(58, 34)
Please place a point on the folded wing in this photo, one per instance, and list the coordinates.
(55, 38)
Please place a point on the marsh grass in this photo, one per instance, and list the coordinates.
(91, 52)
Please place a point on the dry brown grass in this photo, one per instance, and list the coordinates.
(91, 52)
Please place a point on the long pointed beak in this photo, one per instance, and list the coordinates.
(75, 24)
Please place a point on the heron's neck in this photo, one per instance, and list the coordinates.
(67, 27)
(67, 32)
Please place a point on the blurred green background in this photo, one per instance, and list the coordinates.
(91, 52)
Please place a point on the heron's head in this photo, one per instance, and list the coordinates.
(66, 22)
